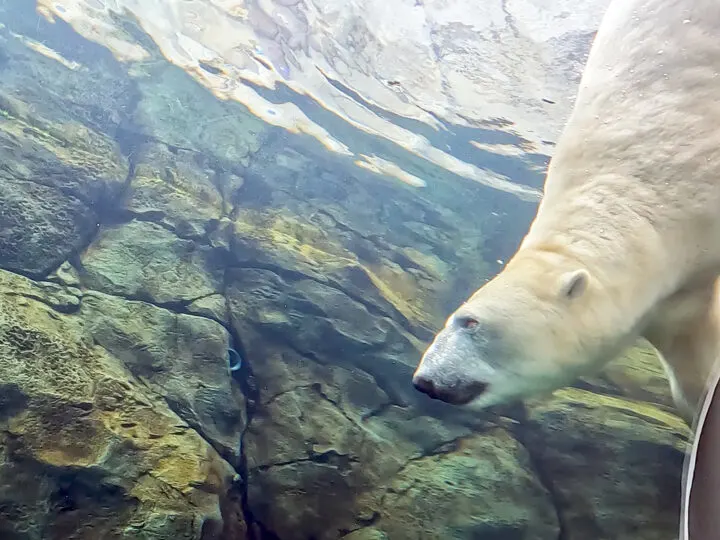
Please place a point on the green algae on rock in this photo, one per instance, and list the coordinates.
(319, 320)
(180, 357)
(605, 455)
(486, 488)
(102, 450)
(143, 260)
(54, 182)
(636, 374)
(173, 189)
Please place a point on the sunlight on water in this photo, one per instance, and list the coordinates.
(226, 45)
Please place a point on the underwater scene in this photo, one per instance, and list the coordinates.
(229, 229)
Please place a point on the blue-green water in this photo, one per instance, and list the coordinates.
(209, 321)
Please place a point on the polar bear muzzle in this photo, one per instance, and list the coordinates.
(456, 368)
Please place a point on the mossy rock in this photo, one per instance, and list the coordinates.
(604, 455)
(87, 448)
(55, 182)
(143, 260)
(182, 358)
(636, 374)
(293, 245)
(485, 488)
(178, 190)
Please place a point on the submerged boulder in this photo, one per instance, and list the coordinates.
(88, 450)
(55, 182)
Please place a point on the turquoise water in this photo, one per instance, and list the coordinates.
(227, 234)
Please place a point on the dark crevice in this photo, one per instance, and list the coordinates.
(104, 210)
(392, 252)
(346, 228)
(180, 494)
(178, 307)
(393, 314)
(520, 432)
(246, 379)
(202, 297)
(84, 237)
(274, 397)
(221, 182)
(60, 308)
(157, 217)
(378, 411)
(379, 382)
(63, 190)
(177, 408)
(447, 447)
(133, 133)
(32, 276)
(332, 458)
(317, 388)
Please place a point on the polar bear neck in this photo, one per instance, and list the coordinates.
(641, 279)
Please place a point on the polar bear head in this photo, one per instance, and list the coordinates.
(538, 325)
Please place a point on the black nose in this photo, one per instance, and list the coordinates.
(457, 394)
(424, 385)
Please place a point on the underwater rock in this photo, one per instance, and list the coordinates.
(406, 251)
(181, 358)
(312, 469)
(55, 182)
(322, 440)
(605, 455)
(316, 470)
(636, 374)
(60, 298)
(366, 533)
(145, 261)
(325, 251)
(213, 306)
(485, 488)
(86, 448)
(175, 109)
(65, 275)
(176, 190)
(79, 81)
(319, 321)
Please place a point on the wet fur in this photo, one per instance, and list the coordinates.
(632, 197)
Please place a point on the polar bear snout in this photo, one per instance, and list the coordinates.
(455, 367)
(458, 393)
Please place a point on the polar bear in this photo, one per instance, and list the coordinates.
(626, 240)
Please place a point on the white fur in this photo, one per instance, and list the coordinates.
(632, 198)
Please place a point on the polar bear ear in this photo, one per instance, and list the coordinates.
(573, 284)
